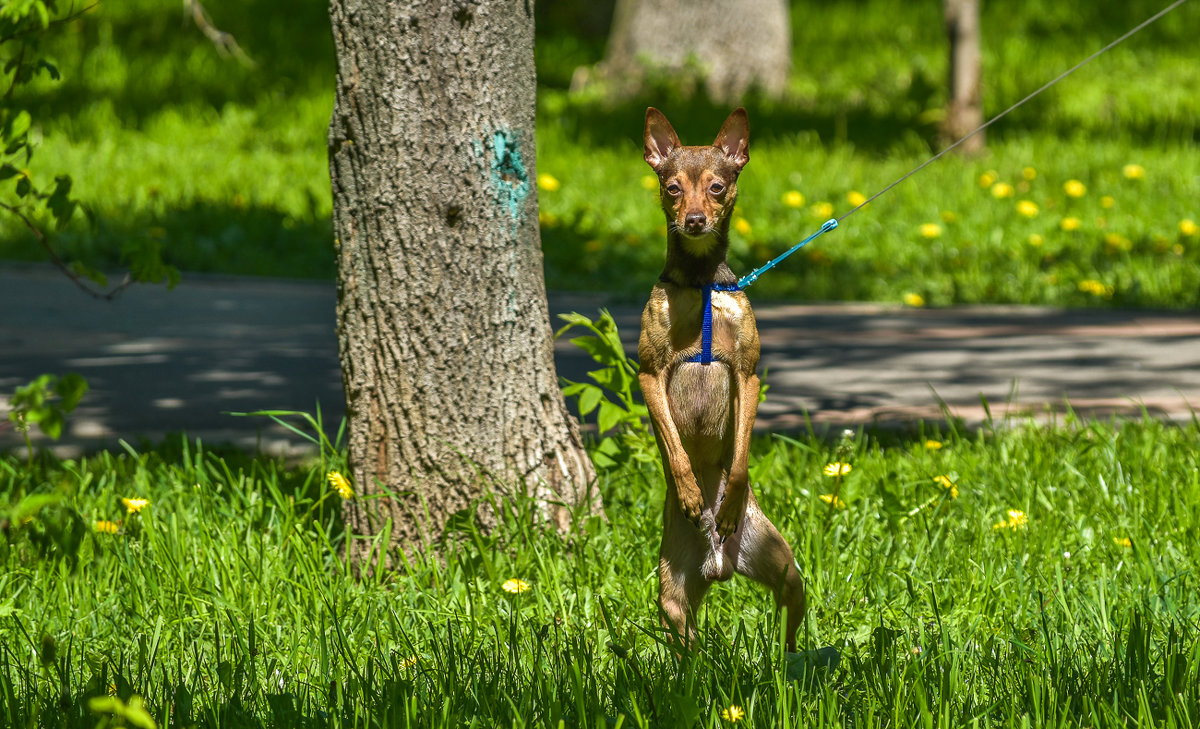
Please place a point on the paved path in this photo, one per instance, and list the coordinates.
(162, 362)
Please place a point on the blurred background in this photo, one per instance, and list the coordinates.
(1087, 196)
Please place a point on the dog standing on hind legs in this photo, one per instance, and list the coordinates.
(699, 352)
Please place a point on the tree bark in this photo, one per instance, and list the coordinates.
(964, 112)
(734, 44)
(444, 335)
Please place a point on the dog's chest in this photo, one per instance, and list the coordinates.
(683, 313)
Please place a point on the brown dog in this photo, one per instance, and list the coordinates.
(701, 389)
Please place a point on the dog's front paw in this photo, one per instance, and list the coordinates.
(730, 514)
(691, 501)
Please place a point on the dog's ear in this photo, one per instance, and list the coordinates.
(734, 138)
(660, 138)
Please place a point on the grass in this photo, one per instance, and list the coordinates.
(223, 166)
(225, 601)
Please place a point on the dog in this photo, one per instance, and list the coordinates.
(698, 353)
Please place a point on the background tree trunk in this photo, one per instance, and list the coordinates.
(445, 339)
(735, 44)
(964, 112)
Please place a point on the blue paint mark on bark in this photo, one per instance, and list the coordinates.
(509, 176)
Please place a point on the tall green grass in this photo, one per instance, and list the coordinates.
(225, 602)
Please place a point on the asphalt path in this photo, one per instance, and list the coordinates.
(160, 362)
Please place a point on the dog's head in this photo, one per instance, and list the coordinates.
(698, 185)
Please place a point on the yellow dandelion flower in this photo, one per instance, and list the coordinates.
(593, 246)
(1188, 227)
(1028, 208)
(1119, 242)
(1016, 520)
(133, 506)
(832, 500)
(547, 219)
(855, 198)
(341, 484)
(1133, 171)
(106, 527)
(515, 586)
(933, 445)
(930, 230)
(1074, 188)
(733, 714)
(1107, 201)
(1029, 174)
(1069, 224)
(1096, 288)
(1123, 541)
(1002, 190)
(742, 226)
(548, 182)
(947, 484)
(793, 198)
(949, 217)
(1177, 249)
(409, 662)
(649, 182)
(914, 300)
(987, 179)
(837, 468)
(1035, 239)
(822, 210)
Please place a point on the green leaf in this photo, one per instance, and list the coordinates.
(49, 68)
(19, 125)
(136, 714)
(106, 705)
(609, 416)
(51, 422)
(572, 389)
(24, 186)
(573, 319)
(608, 446)
(589, 399)
(60, 204)
(80, 269)
(7, 171)
(600, 460)
(71, 388)
(596, 347)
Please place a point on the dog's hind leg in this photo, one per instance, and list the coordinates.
(765, 557)
(681, 585)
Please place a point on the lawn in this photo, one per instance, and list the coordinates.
(1086, 197)
(1011, 577)
(1017, 575)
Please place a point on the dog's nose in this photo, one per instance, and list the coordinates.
(694, 222)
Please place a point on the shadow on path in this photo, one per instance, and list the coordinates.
(162, 362)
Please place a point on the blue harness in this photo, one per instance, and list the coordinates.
(706, 356)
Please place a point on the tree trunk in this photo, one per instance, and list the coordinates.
(444, 336)
(734, 44)
(964, 113)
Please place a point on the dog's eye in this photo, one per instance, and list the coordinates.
(674, 189)
(716, 188)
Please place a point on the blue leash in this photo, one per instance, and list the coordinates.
(751, 277)
(705, 356)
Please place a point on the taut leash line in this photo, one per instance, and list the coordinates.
(833, 223)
